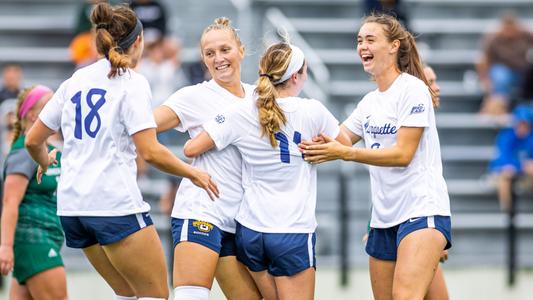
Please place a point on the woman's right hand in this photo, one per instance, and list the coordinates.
(7, 259)
(203, 180)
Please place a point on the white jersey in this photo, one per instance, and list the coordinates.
(97, 117)
(400, 193)
(279, 186)
(195, 105)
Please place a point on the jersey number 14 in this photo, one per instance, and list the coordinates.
(91, 116)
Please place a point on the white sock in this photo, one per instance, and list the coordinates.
(150, 298)
(117, 297)
(189, 292)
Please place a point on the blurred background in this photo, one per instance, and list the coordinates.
(480, 50)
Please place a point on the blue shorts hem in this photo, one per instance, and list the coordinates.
(381, 256)
(292, 272)
(198, 243)
(383, 243)
(79, 245)
(122, 235)
(209, 236)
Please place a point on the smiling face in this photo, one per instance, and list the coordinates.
(376, 52)
(222, 55)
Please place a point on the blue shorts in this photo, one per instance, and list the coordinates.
(205, 234)
(383, 242)
(82, 232)
(282, 254)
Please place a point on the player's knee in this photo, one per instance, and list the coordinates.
(189, 292)
(407, 291)
(123, 291)
(54, 295)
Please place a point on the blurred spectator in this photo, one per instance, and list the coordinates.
(82, 47)
(526, 93)
(152, 16)
(7, 136)
(11, 82)
(166, 201)
(390, 7)
(161, 66)
(198, 72)
(514, 154)
(503, 64)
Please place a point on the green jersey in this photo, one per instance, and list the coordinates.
(38, 222)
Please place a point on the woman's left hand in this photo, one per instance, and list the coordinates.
(52, 160)
(325, 150)
(6, 259)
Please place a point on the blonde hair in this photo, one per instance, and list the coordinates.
(222, 23)
(408, 59)
(272, 66)
(20, 123)
(113, 23)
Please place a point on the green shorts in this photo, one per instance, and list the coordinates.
(31, 259)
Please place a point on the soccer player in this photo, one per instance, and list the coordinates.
(276, 220)
(204, 231)
(103, 111)
(31, 233)
(411, 209)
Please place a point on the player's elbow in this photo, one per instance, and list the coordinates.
(190, 151)
(404, 160)
(148, 154)
(31, 143)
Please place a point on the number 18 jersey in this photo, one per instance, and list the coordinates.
(279, 186)
(97, 117)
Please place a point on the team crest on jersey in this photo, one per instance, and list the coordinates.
(417, 109)
(220, 119)
(203, 226)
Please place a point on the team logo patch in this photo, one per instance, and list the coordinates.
(417, 109)
(52, 253)
(220, 119)
(203, 226)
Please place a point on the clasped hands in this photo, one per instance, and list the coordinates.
(321, 148)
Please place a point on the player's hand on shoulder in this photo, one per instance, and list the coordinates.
(203, 179)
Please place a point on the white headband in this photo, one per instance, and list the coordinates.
(297, 62)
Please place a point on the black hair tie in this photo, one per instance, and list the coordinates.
(102, 26)
(266, 75)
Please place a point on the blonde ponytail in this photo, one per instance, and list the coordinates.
(271, 116)
(273, 65)
(20, 124)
